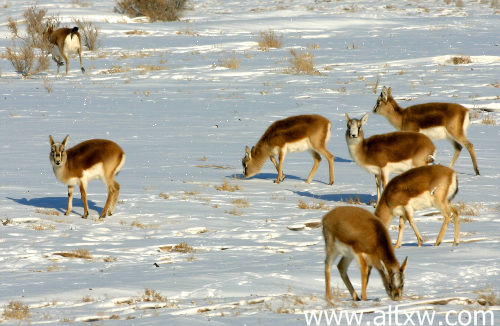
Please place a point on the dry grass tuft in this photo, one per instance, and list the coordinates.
(152, 296)
(269, 39)
(226, 186)
(489, 120)
(461, 60)
(302, 63)
(16, 310)
(89, 33)
(50, 212)
(229, 62)
(78, 253)
(155, 10)
(182, 247)
(464, 209)
(313, 205)
(145, 68)
(116, 70)
(136, 32)
(354, 200)
(241, 203)
(234, 212)
(488, 297)
(42, 227)
(164, 195)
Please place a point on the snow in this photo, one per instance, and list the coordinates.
(184, 128)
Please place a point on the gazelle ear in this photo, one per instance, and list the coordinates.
(248, 153)
(403, 265)
(364, 119)
(65, 141)
(51, 140)
(347, 117)
(384, 94)
(389, 92)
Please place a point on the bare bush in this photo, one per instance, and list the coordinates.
(302, 63)
(16, 310)
(269, 39)
(90, 34)
(155, 10)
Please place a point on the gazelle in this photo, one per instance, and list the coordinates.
(293, 134)
(416, 189)
(91, 159)
(64, 41)
(436, 120)
(386, 153)
(353, 232)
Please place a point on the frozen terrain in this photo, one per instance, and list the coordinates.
(183, 121)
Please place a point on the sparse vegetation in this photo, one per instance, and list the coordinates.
(464, 209)
(461, 60)
(488, 297)
(182, 247)
(155, 10)
(50, 212)
(226, 186)
(269, 39)
(230, 62)
(164, 195)
(314, 205)
(16, 310)
(241, 203)
(302, 63)
(89, 33)
(78, 253)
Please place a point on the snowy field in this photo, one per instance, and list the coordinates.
(191, 242)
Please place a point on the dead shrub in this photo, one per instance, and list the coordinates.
(302, 63)
(78, 253)
(152, 296)
(182, 247)
(461, 60)
(90, 34)
(269, 39)
(16, 310)
(155, 10)
(313, 205)
(230, 62)
(226, 186)
(22, 52)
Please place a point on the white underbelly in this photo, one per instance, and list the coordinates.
(420, 202)
(435, 132)
(392, 167)
(298, 146)
(342, 249)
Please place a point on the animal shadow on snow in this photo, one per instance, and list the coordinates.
(272, 176)
(58, 203)
(363, 198)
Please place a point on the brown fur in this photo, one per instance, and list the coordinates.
(439, 182)
(379, 151)
(71, 166)
(369, 243)
(57, 38)
(313, 128)
(451, 116)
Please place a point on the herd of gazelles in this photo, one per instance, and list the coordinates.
(350, 232)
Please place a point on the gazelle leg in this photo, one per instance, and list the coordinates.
(83, 192)
(409, 216)
(365, 275)
(330, 158)
(317, 160)
(400, 231)
(70, 200)
(342, 267)
(280, 167)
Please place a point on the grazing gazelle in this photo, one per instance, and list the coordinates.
(294, 134)
(353, 232)
(436, 120)
(91, 159)
(386, 153)
(64, 41)
(416, 189)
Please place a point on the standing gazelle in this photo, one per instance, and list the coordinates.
(64, 41)
(91, 159)
(436, 120)
(353, 232)
(386, 153)
(294, 134)
(416, 189)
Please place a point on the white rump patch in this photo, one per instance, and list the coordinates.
(435, 132)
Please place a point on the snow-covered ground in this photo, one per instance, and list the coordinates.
(183, 121)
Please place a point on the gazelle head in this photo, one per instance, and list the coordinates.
(58, 151)
(249, 167)
(383, 103)
(394, 280)
(47, 33)
(354, 127)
